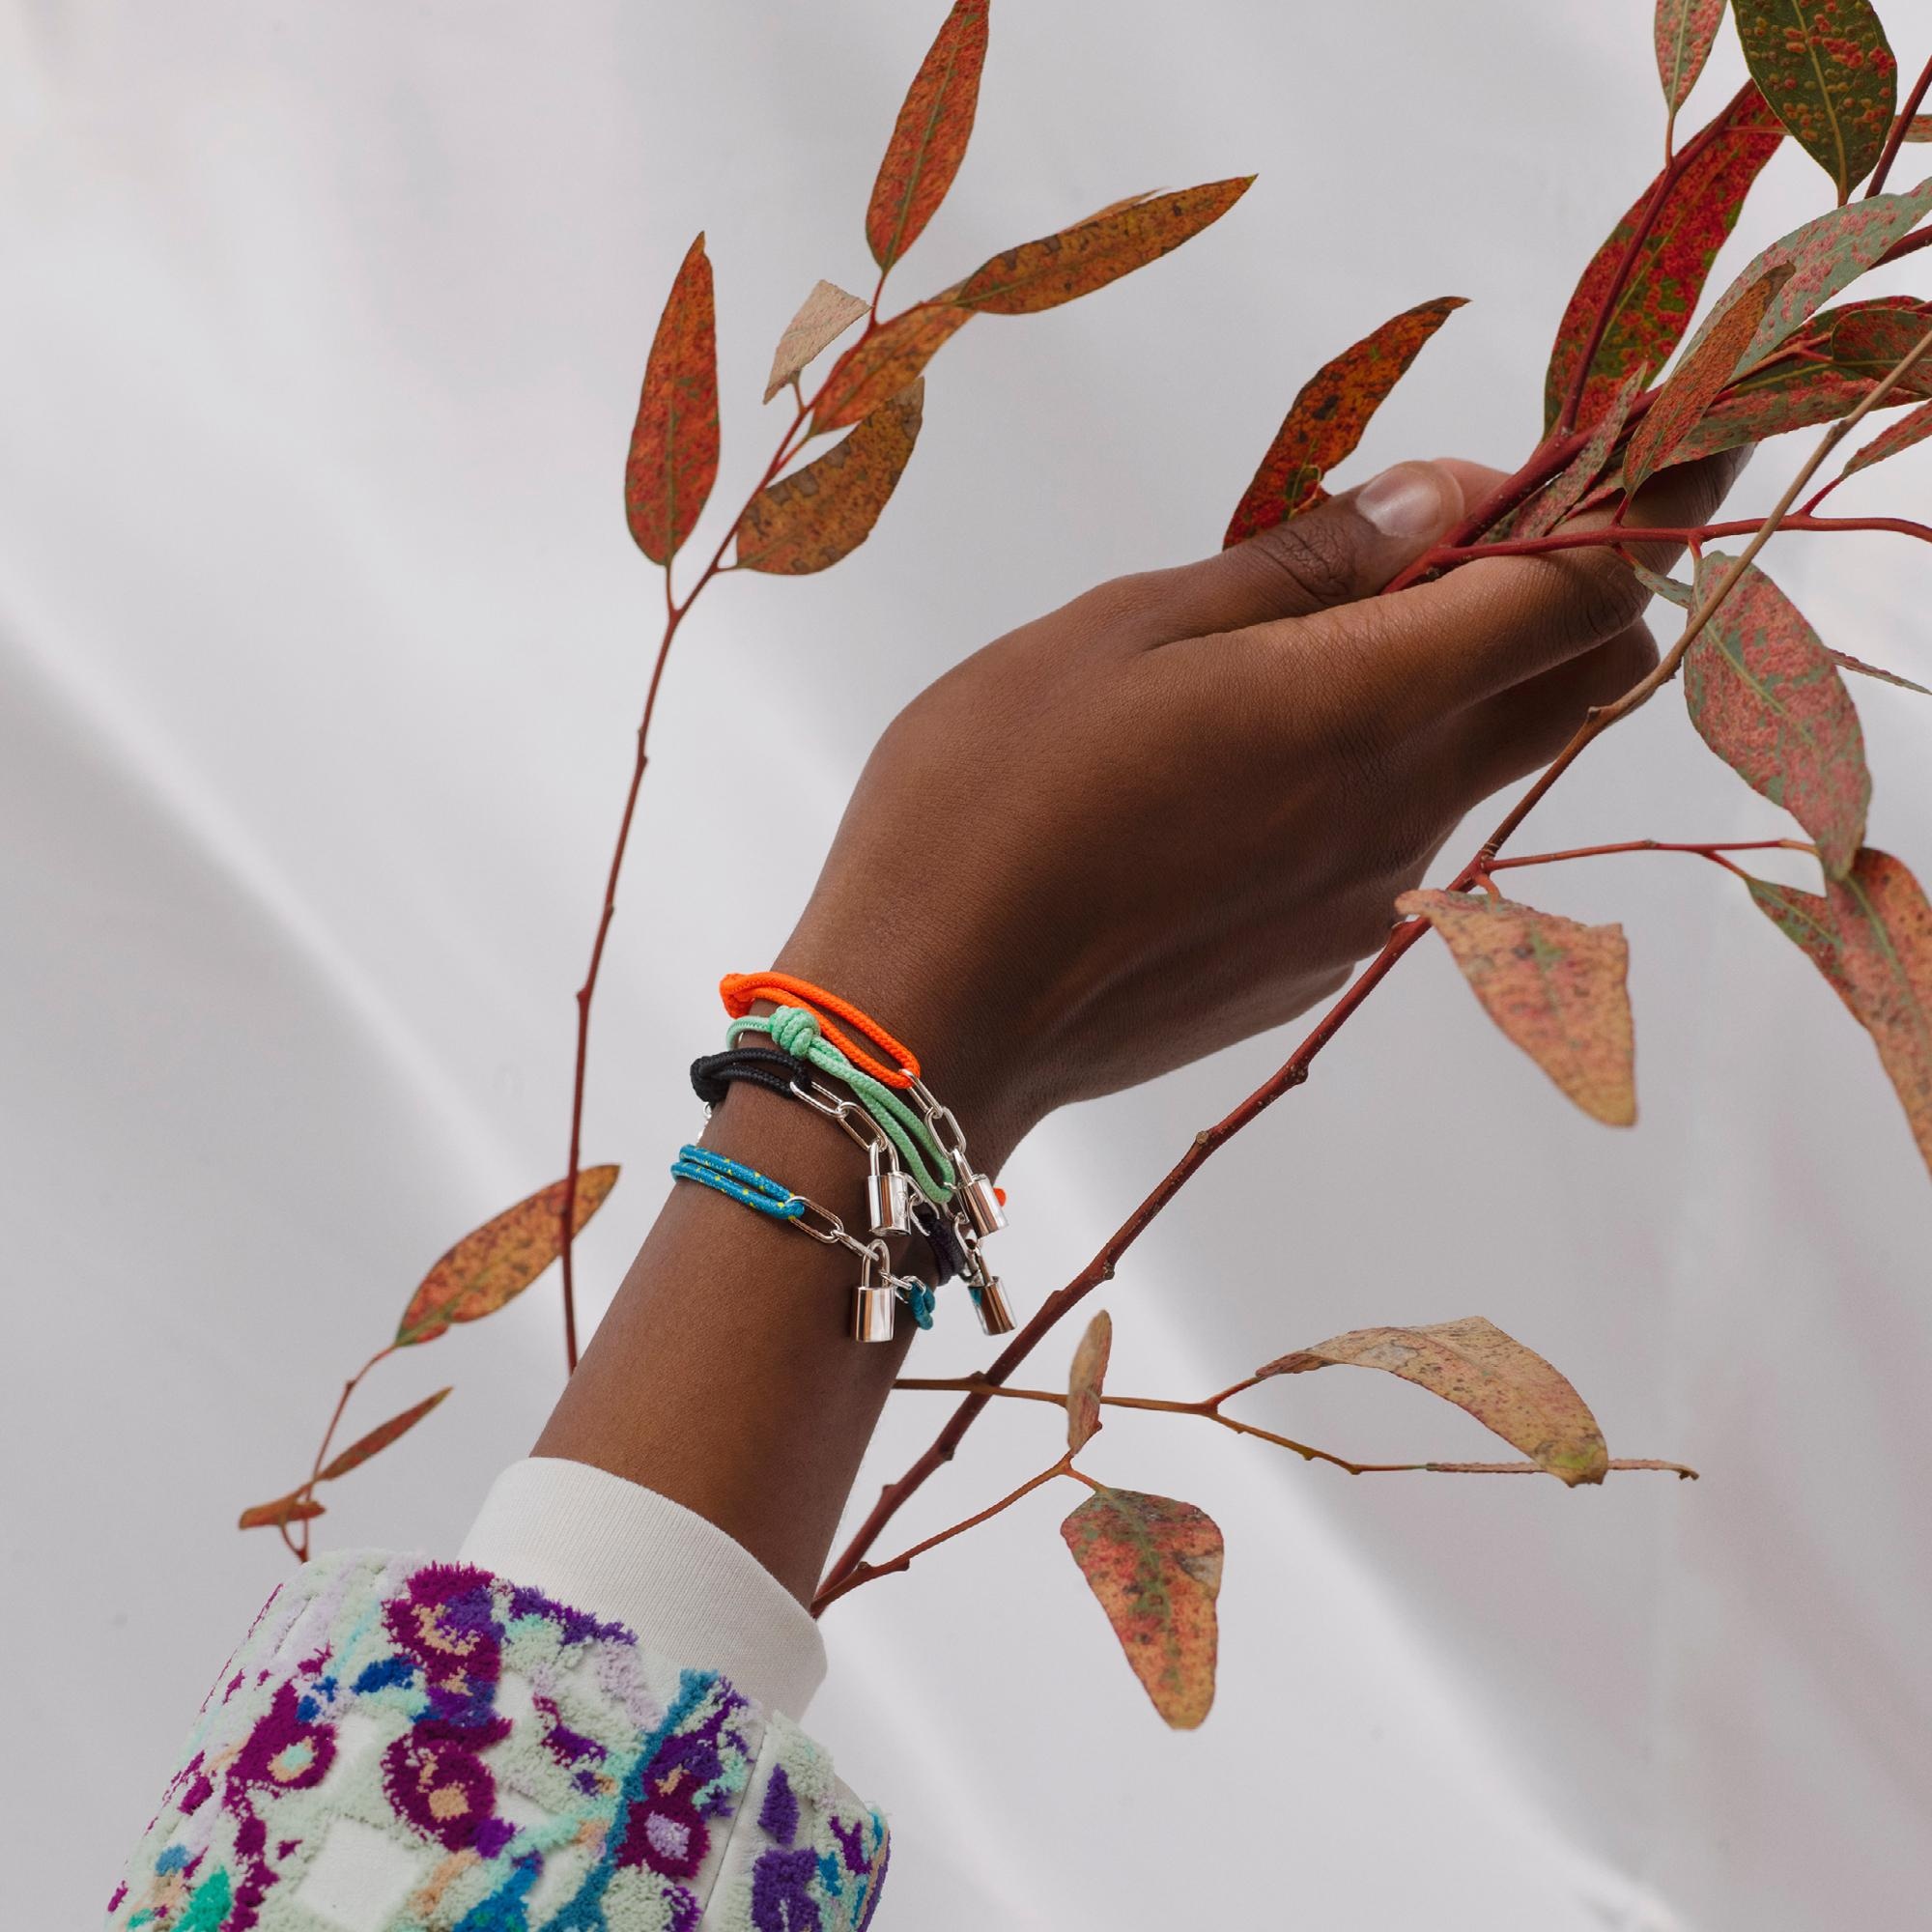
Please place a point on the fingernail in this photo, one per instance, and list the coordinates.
(1411, 501)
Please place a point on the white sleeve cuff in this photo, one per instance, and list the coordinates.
(628, 1556)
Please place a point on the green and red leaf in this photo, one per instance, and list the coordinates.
(887, 362)
(1085, 1381)
(673, 459)
(1508, 1388)
(1649, 317)
(929, 138)
(1685, 30)
(1826, 68)
(1766, 696)
(807, 521)
(1155, 1566)
(1699, 380)
(495, 1263)
(1873, 944)
(294, 1507)
(1846, 662)
(1061, 268)
(1572, 482)
(1327, 418)
(1555, 987)
(1897, 437)
(378, 1439)
(822, 318)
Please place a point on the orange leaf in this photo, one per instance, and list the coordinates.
(1508, 1388)
(1057, 268)
(822, 318)
(809, 520)
(1901, 435)
(930, 135)
(887, 362)
(495, 1263)
(1554, 987)
(378, 1439)
(1327, 420)
(1086, 1379)
(673, 459)
(1697, 382)
(1155, 1566)
(1767, 697)
(284, 1510)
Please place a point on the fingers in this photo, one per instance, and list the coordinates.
(1348, 547)
(1494, 624)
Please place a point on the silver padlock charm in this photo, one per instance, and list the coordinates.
(888, 1199)
(872, 1310)
(983, 1208)
(989, 1303)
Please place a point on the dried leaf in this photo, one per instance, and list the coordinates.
(1685, 31)
(1697, 382)
(1554, 987)
(1551, 505)
(1846, 662)
(886, 363)
(1508, 1388)
(809, 520)
(1057, 268)
(284, 1510)
(378, 1439)
(822, 318)
(673, 459)
(1765, 695)
(1874, 945)
(1829, 254)
(1668, 277)
(1827, 68)
(1327, 418)
(1155, 1566)
(497, 1262)
(930, 135)
(1086, 1379)
(1898, 436)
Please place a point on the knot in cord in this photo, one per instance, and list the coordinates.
(794, 1030)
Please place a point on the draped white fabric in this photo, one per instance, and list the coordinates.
(322, 642)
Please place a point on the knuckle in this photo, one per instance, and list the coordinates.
(1309, 557)
(1604, 597)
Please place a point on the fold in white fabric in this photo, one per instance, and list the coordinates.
(625, 1553)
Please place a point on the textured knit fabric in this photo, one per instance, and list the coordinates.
(400, 1743)
(637, 1559)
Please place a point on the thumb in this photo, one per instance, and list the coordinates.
(1346, 548)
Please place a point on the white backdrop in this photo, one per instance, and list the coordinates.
(322, 641)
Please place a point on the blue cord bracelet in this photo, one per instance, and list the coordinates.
(739, 1183)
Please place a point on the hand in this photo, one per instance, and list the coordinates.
(1177, 811)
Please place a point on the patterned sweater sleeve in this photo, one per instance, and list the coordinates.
(404, 1744)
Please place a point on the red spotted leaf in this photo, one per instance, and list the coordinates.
(1059, 268)
(1508, 1388)
(1667, 276)
(1846, 662)
(283, 1511)
(809, 520)
(1920, 129)
(673, 459)
(929, 138)
(1685, 31)
(1666, 587)
(887, 362)
(1155, 1566)
(1086, 1379)
(1873, 944)
(1697, 382)
(1826, 66)
(1328, 416)
(495, 1263)
(822, 318)
(378, 1439)
(1572, 483)
(1766, 696)
(1555, 987)
(1899, 435)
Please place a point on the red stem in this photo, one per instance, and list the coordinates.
(1899, 129)
(1622, 536)
(307, 1490)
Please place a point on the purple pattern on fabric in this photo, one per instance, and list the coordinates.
(878, 1880)
(563, 1744)
(782, 1899)
(445, 1620)
(576, 1626)
(852, 1844)
(283, 1752)
(778, 1816)
(435, 1780)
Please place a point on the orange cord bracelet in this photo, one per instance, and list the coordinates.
(740, 991)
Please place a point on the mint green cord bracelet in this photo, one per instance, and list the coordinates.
(796, 1031)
